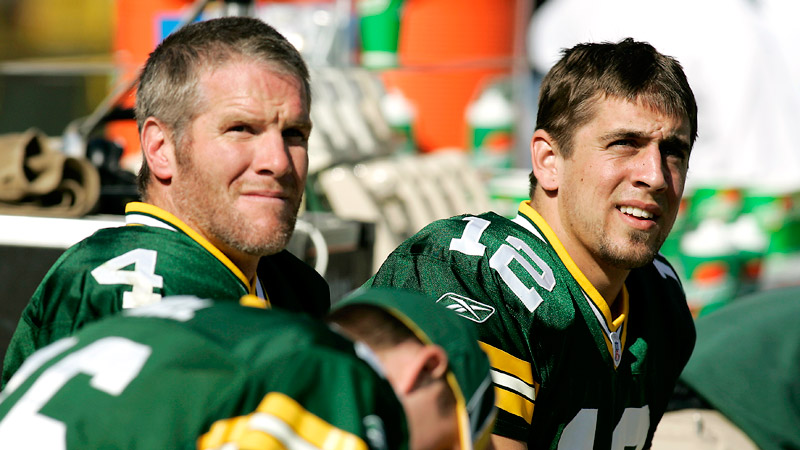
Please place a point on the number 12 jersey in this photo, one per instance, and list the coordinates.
(567, 374)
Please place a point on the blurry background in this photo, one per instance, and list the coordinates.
(422, 109)
(53, 53)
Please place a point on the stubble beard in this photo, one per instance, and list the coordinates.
(211, 209)
(635, 250)
(638, 251)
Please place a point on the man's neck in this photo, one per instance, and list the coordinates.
(246, 263)
(608, 280)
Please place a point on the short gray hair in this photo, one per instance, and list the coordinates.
(167, 88)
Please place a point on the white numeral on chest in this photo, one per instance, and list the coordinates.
(501, 261)
(630, 432)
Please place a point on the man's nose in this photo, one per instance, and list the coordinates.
(650, 169)
(271, 155)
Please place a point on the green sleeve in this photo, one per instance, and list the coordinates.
(60, 305)
(336, 391)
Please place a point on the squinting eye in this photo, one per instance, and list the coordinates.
(623, 143)
(675, 152)
(240, 129)
(294, 134)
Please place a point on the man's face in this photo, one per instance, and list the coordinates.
(241, 175)
(620, 189)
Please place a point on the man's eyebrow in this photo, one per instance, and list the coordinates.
(672, 140)
(304, 123)
(623, 134)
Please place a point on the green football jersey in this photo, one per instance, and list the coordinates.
(153, 256)
(188, 373)
(746, 365)
(567, 374)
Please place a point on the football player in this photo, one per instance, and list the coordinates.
(223, 113)
(585, 324)
(192, 373)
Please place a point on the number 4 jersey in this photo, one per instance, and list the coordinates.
(154, 256)
(567, 374)
(188, 373)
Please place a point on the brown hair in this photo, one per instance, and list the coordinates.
(630, 70)
(372, 325)
(380, 330)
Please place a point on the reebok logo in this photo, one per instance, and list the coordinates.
(466, 307)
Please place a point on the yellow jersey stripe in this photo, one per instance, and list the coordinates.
(279, 419)
(594, 296)
(254, 302)
(618, 323)
(224, 431)
(507, 363)
(526, 209)
(152, 210)
(515, 404)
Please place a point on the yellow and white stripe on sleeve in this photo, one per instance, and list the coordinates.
(515, 389)
(278, 423)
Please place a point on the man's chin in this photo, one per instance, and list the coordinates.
(273, 243)
(262, 249)
(631, 255)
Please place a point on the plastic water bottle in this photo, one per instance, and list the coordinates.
(711, 265)
(400, 114)
(490, 119)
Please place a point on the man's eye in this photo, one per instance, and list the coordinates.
(294, 134)
(240, 129)
(675, 151)
(623, 143)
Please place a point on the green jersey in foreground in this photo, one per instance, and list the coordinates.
(747, 362)
(189, 373)
(567, 373)
(154, 256)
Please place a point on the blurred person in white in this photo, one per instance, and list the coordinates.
(748, 103)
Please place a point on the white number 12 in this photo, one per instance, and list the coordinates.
(501, 260)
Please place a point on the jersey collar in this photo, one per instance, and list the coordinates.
(139, 213)
(614, 329)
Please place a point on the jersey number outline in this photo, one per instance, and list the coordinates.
(630, 432)
(142, 279)
(112, 363)
(500, 261)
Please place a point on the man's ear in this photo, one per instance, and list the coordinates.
(429, 364)
(158, 148)
(545, 160)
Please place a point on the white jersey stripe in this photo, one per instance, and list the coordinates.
(281, 431)
(141, 219)
(613, 337)
(515, 384)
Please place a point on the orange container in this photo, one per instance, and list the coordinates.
(140, 26)
(446, 49)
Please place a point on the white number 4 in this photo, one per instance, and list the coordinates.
(142, 278)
